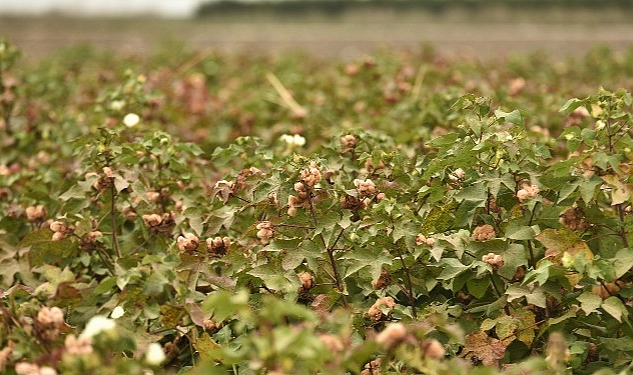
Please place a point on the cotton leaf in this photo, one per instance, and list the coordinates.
(559, 241)
(615, 308)
(589, 302)
(480, 346)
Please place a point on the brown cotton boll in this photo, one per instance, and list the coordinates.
(35, 213)
(299, 187)
(495, 260)
(58, 226)
(51, 316)
(58, 236)
(210, 325)
(226, 241)
(152, 220)
(307, 280)
(153, 196)
(393, 335)
(522, 195)
(349, 142)
(432, 349)
(351, 69)
(383, 280)
(606, 290)
(375, 312)
(332, 343)
(372, 368)
(484, 233)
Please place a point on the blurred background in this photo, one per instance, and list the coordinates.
(328, 28)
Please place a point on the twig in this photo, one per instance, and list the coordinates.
(286, 96)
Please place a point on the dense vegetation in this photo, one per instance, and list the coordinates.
(228, 213)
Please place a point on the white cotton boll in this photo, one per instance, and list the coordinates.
(117, 312)
(97, 325)
(131, 120)
(155, 354)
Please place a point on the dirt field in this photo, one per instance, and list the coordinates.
(489, 33)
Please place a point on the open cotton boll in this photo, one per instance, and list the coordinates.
(155, 354)
(96, 325)
(117, 312)
(131, 120)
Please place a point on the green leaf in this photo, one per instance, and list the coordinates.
(105, 285)
(514, 117)
(572, 104)
(537, 298)
(294, 257)
(516, 291)
(623, 262)
(614, 306)
(516, 231)
(513, 257)
(155, 284)
(451, 267)
(478, 287)
(589, 302)
(445, 140)
(404, 228)
(225, 304)
(43, 250)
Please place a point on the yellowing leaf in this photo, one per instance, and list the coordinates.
(207, 348)
(621, 192)
(526, 331)
(559, 241)
(481, 347)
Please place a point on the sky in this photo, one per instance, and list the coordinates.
(169, 8)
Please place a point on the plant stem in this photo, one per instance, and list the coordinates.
(330, 252)
(409, 282)
(622, 231)
(115, 241)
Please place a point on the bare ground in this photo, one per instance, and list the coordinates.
(492, 33)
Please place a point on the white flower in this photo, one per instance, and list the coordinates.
(97, 325)
(600, 125)
(155, 354)
(293, 140)
(131, 119)
(117, 312)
